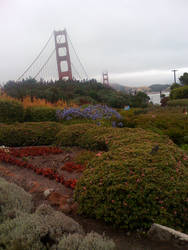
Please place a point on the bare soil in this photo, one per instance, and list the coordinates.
(61, 198)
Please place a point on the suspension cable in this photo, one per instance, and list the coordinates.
(78, 57)
(48, 59)
(28, 68)
(76, 70)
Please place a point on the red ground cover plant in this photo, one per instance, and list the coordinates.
(71, 167)
(11, 156)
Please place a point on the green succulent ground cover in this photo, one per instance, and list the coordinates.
(141, 178)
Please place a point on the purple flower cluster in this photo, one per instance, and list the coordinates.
(94, 112)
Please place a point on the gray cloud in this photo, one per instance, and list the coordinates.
(138, 42)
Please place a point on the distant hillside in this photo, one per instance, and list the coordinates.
(127, 89)
(151, 88)
(158, 87)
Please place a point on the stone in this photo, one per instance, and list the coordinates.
(163, 233)
(48, 191)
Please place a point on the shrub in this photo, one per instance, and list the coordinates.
(92, 241)
(179, 93)
(13, 199)
(28, 134)
(40, 114)
(76, 135)
(140, 180)
(173, 124)
(178, 102)
(38, 231)
(11, 111)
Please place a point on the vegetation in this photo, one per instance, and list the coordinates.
(80, 93)
(178, 102)
(22, 228)
(179, 93)
(184, 79)
(131, 184)
(11, 111)
(28, 134)
(173, 124)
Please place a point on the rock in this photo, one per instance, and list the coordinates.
(162, 233)
(47, 192)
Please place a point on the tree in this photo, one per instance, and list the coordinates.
(140, 100)
(184, 79)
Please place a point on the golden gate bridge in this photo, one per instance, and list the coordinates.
(56, 62)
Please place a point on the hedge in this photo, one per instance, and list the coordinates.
(40, 114)
(29, 134)
(175, 125)
(11, 111)
(178, 102)
(141, 179)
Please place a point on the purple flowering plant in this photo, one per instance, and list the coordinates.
(92, 112)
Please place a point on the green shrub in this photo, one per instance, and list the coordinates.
(178, 102)
(184, 147)
(13, 199)
(140, 180)
(76, 135)
(11, 111)
(28, 134)
(40, 114)
(173, 124)
(91, 241)
(179, 93)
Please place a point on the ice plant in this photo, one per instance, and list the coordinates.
(12, 156)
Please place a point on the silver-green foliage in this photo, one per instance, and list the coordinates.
(91, 241)
(13, 200)
(39, 230)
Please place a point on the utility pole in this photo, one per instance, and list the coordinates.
(174, 70)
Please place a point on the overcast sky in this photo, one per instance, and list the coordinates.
(137, 41)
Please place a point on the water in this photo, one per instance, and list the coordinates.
(155, 98)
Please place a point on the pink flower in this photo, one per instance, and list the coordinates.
(99, 154)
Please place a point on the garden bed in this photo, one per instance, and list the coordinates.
(60, 196)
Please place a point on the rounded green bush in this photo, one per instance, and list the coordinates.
(141, 179)
(75, 135)
(11, 111)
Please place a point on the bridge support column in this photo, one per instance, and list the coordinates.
(105, 78)
(58, 36)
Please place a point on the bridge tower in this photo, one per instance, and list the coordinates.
(105, 78)
(58, 36)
